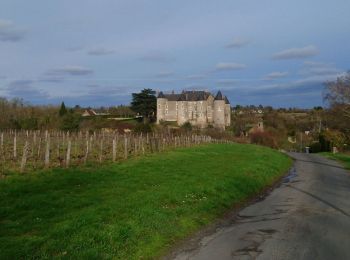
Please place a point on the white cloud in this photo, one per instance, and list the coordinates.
(312, 68)
(196, 76)
(100, 51)
(237, 43)
(276, 75)
(51, 79)
(9, 32)
(230, 66)
(296, 53)
(71, 70)
(164, 74)
(228, 82)
(24, 89)
(158, 57)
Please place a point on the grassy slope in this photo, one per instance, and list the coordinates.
(135, 209)
(342, 158)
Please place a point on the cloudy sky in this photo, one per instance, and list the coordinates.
(97, 52)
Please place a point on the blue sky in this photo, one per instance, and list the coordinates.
(96, 53)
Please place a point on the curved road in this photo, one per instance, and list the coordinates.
(307, 217)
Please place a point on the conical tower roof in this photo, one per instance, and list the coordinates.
(226, 100)
(161, 95)
(219, 96)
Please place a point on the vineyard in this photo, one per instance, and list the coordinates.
(23, 151)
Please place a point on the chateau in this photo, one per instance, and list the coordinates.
(200, 108)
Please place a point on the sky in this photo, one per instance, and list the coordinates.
(98, 52)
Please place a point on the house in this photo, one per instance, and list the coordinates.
(89, 112)
(200, 108)
(259, 127)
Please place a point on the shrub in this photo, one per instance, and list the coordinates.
(324, 143)
(315, 147)
(335, 138)
(143, 128)
(187, 126)
(263, 138)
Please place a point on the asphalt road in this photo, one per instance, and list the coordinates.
(307, 217)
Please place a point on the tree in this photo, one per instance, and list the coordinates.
(144, 103)
(70, 121)
(337, 94)
(63, 109)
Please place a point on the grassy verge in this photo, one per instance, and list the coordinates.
(131, 210)
(340, 157)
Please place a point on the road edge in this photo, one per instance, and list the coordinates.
(228, 218)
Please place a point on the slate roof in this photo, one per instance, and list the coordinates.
(219, 96)
(186, 96)
(173, 97)
(226, 100)
(161, 95)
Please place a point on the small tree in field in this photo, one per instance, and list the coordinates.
(144, 103)
(63, 109)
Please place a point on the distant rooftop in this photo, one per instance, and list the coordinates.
(192, 96)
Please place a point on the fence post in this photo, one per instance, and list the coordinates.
(142, 145)
(2, 151)
(24, 157)
(101, 150)
(68, 153)
(47, 152)
(87, 151)
(15, 146)
(135, 145)
(114, 152)
(125, 147)
(2, 142)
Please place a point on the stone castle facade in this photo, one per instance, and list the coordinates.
(200, 108)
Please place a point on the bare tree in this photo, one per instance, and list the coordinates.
(337, 94)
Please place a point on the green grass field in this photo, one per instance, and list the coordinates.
(137, 209)
(340, 157)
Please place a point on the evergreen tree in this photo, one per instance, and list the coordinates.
(144, 103)
(63, 109)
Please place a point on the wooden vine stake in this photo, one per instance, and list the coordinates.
(68, 153)
(15, 146)
(24, 157)
(114, 150)
(2, 142)
(47, 152)
(101, 150)
(125, 147)
(87, 151)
